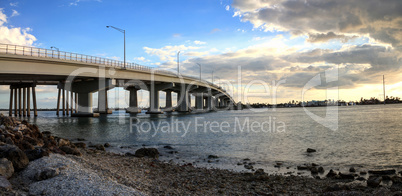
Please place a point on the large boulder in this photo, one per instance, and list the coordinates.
(69, 150)
(36, 153)
(64, 142)
(6, 168)
(15, 155)
(382, 172)
(147, 152)
(374, 181)
(5, 184)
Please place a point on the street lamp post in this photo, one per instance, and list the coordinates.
(200, 70)
(124, 32)
(178, 65)
(58, 52)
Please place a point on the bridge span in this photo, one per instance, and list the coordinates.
(78, 76)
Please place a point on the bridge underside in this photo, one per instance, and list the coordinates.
(77, 81)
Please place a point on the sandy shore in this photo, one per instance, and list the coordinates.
(152, 177)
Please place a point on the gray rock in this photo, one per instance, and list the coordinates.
(80, 145)
(352, 169)
(168, 147)
(302, 167)
(259, 172)
(5, 184)
(310, 150)
(36, 153)
(6, 168)
(73, 179)
(64, 142)
(321, 170)
(382, 172)
(374, 181)
(147, 152)
(15, 155)
(248, 166)
(314, 170)
(346, 176)
(106, 145)
(212, 157)
(47, 173)
(69, 150)
(331, 174)
(100, 147)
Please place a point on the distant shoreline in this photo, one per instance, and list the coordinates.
(246, 107)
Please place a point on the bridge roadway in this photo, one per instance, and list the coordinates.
(78, 76)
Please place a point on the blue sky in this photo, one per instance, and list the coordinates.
(270, 40)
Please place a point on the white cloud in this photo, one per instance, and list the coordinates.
(14, 4)
(199, 42)
(325, 20)
(14, 35)
(142, 59)
(227, 8)
(15, 13)
(168, 53)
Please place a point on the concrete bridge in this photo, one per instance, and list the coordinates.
(78, 76)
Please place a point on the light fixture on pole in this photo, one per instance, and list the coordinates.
(200, 70)
(178, 65)
(58, 52)
(124, 32)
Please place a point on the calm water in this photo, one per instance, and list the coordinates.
(367, 136)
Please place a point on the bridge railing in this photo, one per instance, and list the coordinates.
(56, 54)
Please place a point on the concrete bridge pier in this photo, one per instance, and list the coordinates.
(183, 101)
(68, 100)
(20, 94)
(199, 102)
(168, 105)
(133, 102)
(154, 97)
(103, 106)
(209, 102)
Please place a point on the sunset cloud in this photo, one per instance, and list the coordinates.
(380, 20)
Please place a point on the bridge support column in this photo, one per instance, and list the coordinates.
(209, 102)
(58, 102)
(133, 104)
(85, 104)
(29, 101)
(102, 101)
(183, 101)
(15, 101)
(19, 102)
(34, 101)
(221, 102)
(199, 101)
(24, 101)
(168, 105)
(20, 99)
(10, 108)
(67, 108)
(154, 97)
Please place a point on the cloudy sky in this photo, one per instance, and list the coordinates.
(258, 48)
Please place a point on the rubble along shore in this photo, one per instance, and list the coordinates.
(56, 166)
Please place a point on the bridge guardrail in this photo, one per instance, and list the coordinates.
(56, 54)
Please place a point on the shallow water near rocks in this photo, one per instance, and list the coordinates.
(367, 137)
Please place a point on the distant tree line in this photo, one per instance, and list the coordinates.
(329, 102)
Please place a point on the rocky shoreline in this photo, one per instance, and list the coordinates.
(37, 163)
